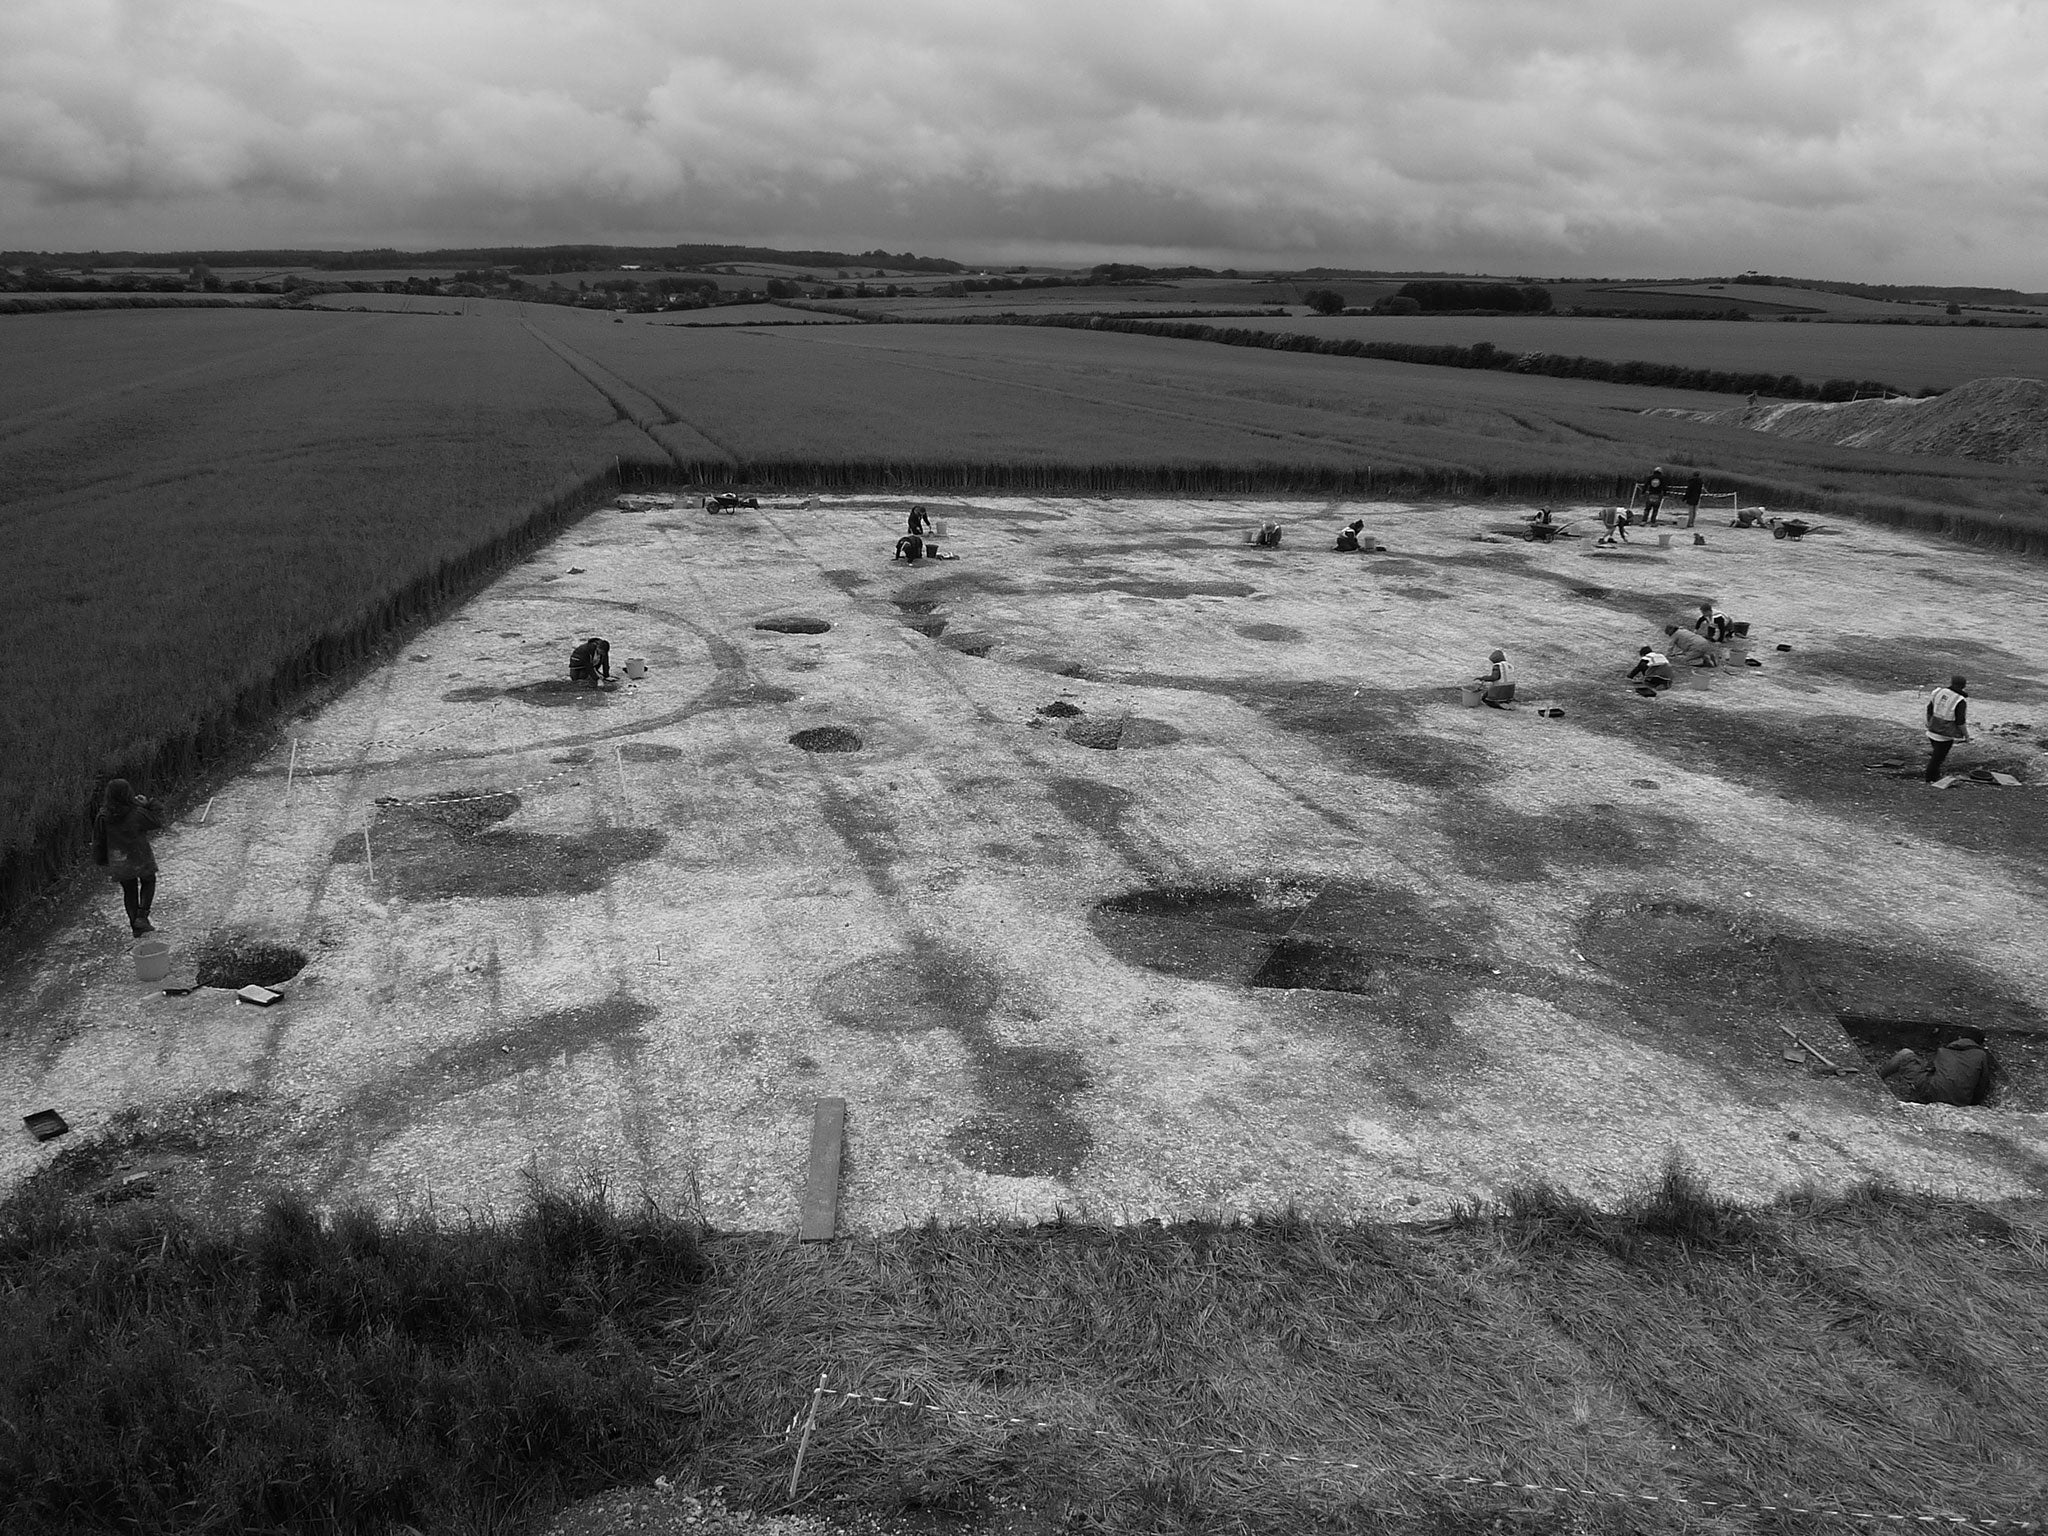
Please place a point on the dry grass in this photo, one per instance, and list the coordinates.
(1876, 1352)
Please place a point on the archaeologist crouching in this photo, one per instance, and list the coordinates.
(1688, 649)
(1652, 668)
(591, 662)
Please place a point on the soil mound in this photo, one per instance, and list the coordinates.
(1999, 421)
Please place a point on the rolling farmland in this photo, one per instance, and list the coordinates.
(195, 498)
(204, 508)
(1909, 356)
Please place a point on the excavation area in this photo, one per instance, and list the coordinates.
(1115, 866)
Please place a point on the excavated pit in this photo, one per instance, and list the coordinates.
(235, 958)
(797, 625)
(826, 738)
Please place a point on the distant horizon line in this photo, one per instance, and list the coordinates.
(703, 252)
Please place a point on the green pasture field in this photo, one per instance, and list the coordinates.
(1910, 357)
(190, 500)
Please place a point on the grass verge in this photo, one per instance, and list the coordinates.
(1877, 1352)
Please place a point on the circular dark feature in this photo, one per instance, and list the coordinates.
(649, 752)
(1279, 633)
(799, 625)
(1060, 709)
(826, 738)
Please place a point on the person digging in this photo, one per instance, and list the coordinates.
(1688, 649)
(591, 662)
(1498, 680)
(1653, 667)
(1947, 723)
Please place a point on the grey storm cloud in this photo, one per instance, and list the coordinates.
(1881, 138)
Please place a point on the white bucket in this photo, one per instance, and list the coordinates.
(1663, 541)
(939, 528)
(1472, 695)
(636, 666)
(152, 960)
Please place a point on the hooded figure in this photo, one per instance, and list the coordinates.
(1653, 494)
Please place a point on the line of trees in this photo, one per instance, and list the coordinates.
(1483, 354)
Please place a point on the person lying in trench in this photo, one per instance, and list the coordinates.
(1959, 1074)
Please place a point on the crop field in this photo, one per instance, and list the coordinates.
(1910, 357)
(193, 500)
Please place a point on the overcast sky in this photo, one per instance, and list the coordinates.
(1883, 140)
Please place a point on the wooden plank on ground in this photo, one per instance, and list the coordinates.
(821, 1191)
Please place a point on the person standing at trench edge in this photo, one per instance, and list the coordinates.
(1947, 723)
(120, 844)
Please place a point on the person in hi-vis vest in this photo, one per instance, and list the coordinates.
(1946, 723)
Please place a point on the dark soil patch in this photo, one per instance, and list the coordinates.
(1370, 731)
(1102, 810)
(1594, 593)
(557, 693)
(799, 625)
(868, 829)
(1026, 1126)
(741, 692)
(968, 644)
(649, 752)
(1139, 586)
(916, 604)
(1412, 967)
(1422, 594)
(1122, 733)
(1922, 661)
(1822, 764)
(930, 627)
(1278, 633)
(826, 738)
(616, 1026)
(847, 581)
(1699, 975)
(1060, 709)
(474, 694)
(910, 992)
(1497, 843)
(236, 958)
(440, 850)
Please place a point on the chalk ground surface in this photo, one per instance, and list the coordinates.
(1272, 921)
